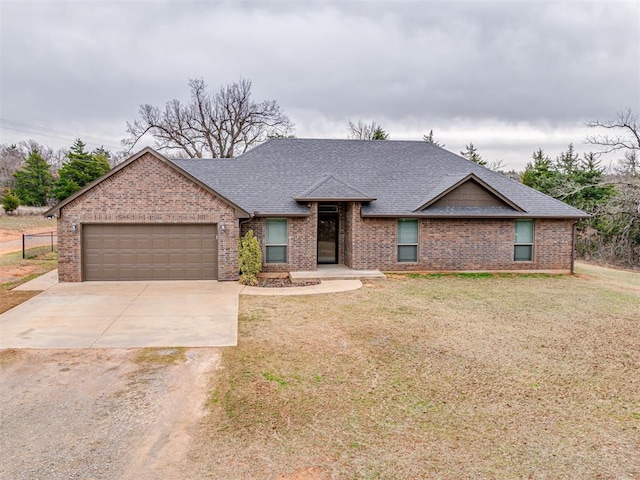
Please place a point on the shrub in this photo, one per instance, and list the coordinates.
(10, 202)
(250, 259)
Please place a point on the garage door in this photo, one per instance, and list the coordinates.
(149, 252)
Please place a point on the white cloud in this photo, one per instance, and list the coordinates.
(507, 75)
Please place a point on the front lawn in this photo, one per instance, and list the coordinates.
(439, 377)
(14, 271)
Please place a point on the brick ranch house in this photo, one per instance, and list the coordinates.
(388, 205)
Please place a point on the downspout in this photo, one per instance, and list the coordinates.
(573, 246)
(241, 221)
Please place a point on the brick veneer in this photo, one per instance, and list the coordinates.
(445, 244)
(302, 247)
(146, 191)
(460, 244)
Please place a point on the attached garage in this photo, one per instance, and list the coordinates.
(149, 252)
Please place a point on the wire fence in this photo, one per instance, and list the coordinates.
(34, 244)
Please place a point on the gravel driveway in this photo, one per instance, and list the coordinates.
(100, 414)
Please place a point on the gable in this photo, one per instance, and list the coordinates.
(145, 178)
(329, 188)
(469, 194)
(466, 193)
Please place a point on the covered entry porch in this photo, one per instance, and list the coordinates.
(336, 272)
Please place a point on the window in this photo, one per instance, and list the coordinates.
(407, 240)
(276, 241)
(523, 248)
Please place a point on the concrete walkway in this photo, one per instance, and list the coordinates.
(336, 272)
(135, 314)
(325, 286)
(125, 315)
(48, 280)
(41, 283)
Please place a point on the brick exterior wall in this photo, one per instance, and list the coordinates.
(146, 191)
(302, 247)
(444, 244)
(461, 244)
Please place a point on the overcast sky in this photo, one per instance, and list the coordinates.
(509, 76)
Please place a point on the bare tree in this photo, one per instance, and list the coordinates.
(220, 124)
(624, 137)
(11, 158)
(366, 131)
(617, 237)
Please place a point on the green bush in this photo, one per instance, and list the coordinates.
(10, 202)
(250, 259)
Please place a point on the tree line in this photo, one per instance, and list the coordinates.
(228, 122)
(35, 175)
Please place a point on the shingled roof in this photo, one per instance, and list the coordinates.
(391, 178)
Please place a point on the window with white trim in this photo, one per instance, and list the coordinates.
(276, 240)
(407, 240)
(523, 242)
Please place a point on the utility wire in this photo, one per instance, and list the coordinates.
(49, 132)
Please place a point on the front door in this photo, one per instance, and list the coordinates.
(327, 238)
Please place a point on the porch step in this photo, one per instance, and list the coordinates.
(336, 272)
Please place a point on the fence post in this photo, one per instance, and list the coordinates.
(51, 240)
(23, 246)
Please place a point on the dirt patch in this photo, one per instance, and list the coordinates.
(100, 414)
(16, 272)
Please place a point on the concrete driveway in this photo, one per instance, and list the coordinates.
(125, 315)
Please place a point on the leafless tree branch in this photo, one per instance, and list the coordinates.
(223, 124)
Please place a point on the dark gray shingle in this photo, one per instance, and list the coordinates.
(399, 174)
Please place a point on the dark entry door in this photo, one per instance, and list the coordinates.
(328, 238)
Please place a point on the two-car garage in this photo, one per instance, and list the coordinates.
(149, 252)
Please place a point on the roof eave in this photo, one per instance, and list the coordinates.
(279, 214)
(335, 199)
(55, 210)
(474, 177)
(468, 215)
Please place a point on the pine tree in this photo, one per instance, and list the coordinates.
(34, 181)
(379, 134)
(81, 169)
(430, 138)
(541, 174)
(471, 153)
(568, 162)
(10, 202)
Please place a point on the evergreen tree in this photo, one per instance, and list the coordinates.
(541, 174)
(430, 138)
(34, 181)
(568, 162)
(10, 202)
(81, 169)
(379, 134)
(471, 153)
(584, 185)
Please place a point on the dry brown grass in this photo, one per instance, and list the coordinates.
(14, 271)
(526, 377)
(23, 223)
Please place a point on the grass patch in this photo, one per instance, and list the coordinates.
(512, 377)
(160, 356)
(22, 223)
(8, 356)
(15, 271)
(482, 275)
